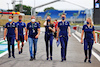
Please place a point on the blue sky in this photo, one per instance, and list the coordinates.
(58, 5)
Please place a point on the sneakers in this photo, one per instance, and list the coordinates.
(85, 60)
(9, 56)
(50, 58)
(31, 59)
(89, 61)
(13, 56)
(47, 58)
(21, 50)
(62, 60)
(34, 58)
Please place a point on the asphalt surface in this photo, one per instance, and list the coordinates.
(75, 56)
(1, 34)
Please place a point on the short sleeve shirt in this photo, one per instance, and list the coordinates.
(47, 28)
(88, 31)
(63, 26)
(20, 26)
(33, 29)
(10, 28)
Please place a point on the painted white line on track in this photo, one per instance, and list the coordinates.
(95, 54)
(4, 53)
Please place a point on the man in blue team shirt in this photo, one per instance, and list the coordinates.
(20, 25)
(63, 31)
(12, 33)
(34, 32)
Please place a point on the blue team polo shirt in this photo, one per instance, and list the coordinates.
(20, 26)
(88, 31)
(33, 29)
(63, 26)
(10, 29)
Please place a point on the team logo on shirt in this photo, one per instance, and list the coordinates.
(35, 25)
(86, 28)
(17, 24)
(13, 25)
(8, 25)
(22, 24)
(60, 23)
(30, 26)
(66, 23)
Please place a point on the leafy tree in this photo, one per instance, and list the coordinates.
(49, 8)
(26, 9)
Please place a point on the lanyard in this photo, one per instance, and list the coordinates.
(33, 25)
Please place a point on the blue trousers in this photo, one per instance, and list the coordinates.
(31, 42)
(88, 43)
(47, 39)
(63, 41)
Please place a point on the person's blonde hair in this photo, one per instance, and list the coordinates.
(91, 22)
(50, 19)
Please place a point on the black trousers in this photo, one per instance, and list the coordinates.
(90, 53)
(49, 39)
(88, 44)
(10, 43)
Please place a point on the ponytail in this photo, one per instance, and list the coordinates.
(91, 22)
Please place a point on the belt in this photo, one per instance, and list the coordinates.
(62, 36)
(48, 33)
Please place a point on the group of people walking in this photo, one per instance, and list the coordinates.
(58, 30)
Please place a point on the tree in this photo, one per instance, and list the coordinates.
(26, 9)
(49, 8)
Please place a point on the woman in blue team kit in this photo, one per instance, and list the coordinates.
(49, 30)
(63, 31)
(89, 38)
(12, 33)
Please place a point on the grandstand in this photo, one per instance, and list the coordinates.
(55, 14)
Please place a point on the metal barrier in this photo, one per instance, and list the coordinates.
(1, 28)
(98, 37)
(79, 29)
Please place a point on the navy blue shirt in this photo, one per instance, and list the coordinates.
(33, 29)
(20, 26)
(10, 28)
(63, 26)
(47, 28)
(88, 31)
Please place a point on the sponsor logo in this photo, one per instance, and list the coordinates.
(66, 23)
